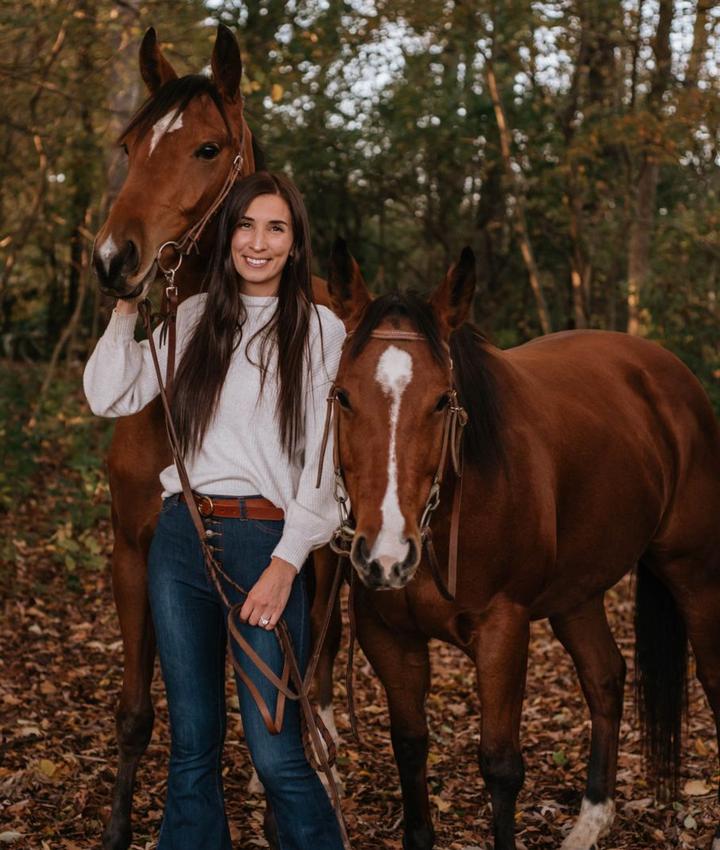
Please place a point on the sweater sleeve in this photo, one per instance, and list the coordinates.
(312, 516)
(119, 377)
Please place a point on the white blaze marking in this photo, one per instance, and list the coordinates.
(106, 250)
(167, 124)
(394, 372)
(595, 821)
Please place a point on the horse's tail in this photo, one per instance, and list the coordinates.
(660, 679)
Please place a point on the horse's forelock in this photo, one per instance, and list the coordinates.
(174, 97)
(401, 305)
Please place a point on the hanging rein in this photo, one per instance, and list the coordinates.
(318, 743)
(453, 424)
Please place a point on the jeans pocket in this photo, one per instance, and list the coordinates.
(271, 527)
(169, 502)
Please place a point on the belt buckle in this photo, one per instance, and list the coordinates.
(205, 506)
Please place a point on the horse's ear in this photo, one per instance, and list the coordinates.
(348, 291)
(453, 298)
(226, 63)
(154, 67)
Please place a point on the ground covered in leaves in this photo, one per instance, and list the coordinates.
(60, 671)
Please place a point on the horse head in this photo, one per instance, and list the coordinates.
(181, 146)
(393, 390)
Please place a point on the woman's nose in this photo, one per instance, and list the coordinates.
(258, 241)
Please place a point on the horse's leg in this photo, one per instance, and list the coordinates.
(138, 453)
(587, 637)
(501, 649)
(402, 664)
(134, 715)
(696, 588)
(325, 562)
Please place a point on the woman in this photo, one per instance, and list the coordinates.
(256, 359)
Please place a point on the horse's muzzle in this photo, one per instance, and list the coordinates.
(114, 270)
(383, 576)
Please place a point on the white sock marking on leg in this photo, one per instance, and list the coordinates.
(594, 821)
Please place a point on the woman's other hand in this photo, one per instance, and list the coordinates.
(268, 597)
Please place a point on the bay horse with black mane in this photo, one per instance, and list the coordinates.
(184, 145)
(585, 453)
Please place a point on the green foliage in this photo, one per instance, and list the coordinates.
(380, 110)
(54, 463)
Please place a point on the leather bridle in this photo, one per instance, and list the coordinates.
(183, 247)
(454, 422)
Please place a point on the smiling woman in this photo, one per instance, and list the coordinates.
(256, 361)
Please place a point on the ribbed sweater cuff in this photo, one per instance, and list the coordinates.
(293, 548)
(120, 329)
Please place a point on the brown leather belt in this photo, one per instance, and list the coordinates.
(239, 507)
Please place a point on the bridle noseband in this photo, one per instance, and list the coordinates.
(453, 424)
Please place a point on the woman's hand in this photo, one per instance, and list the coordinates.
(269, 595)
(126, 307)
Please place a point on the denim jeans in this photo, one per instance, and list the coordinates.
(190, 625)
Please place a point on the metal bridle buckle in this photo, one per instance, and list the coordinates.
(433, 500)
(170, 271)
(205, 506)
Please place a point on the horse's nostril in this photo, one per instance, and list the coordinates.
(130, 258)
(113, 268)
(411, 557)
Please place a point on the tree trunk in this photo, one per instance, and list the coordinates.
(518, 208)
(644, 207)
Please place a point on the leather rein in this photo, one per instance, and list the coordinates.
(291, 685)
(453, 424)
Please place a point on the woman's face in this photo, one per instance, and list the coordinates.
(261, 244)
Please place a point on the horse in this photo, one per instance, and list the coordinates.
(585, 453)
(182, 145)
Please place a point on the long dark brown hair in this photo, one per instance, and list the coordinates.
(219, 331)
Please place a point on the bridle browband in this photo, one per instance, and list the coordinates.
(453, 424)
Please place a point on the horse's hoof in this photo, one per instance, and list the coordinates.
(116, 838)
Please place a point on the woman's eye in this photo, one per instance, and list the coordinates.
(124, 148)
(343, 400)
(208, 151)
(442, 402)
(244, 225)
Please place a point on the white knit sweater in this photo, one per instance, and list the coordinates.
(241, 454)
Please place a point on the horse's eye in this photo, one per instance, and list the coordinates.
(125, 148)
(209, 151)
(442, 402)
(341, 396)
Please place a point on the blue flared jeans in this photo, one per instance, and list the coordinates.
(191, 631)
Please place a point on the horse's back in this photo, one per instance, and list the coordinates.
(614, 371)
(630, 434)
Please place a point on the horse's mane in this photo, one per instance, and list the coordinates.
(471, 354)
(175, 94)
